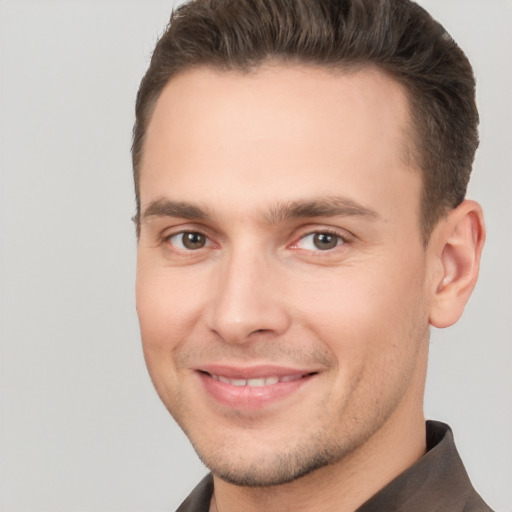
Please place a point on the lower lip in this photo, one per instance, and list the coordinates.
(250, 397)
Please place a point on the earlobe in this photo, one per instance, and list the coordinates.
(458, 245)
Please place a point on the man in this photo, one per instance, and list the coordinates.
(300, 171)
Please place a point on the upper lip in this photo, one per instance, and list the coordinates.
(252, 372)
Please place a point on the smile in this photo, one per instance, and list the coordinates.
(257, 382)
(254, 388)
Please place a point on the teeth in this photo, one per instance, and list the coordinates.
(257, 383)
(289, 378)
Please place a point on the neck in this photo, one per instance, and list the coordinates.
(342, 486)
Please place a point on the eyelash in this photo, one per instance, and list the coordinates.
(340, 240)
(167, 239)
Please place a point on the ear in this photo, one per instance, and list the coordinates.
(457, 243)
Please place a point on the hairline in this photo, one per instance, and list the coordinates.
(411, 151)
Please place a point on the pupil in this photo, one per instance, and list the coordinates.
(325, 241)
(193, 240)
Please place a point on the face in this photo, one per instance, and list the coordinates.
(282, 283)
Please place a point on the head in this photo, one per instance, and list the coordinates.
(397, 36)
(300, 172)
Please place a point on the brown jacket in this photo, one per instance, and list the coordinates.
(438, 482)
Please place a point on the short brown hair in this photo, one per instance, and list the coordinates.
(397, 36)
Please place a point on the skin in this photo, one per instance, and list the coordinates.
(254, 165)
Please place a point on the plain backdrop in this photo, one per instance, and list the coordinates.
(81, 428)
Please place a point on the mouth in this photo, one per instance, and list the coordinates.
(258, 382)
(252, 388)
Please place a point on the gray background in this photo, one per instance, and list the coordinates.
(81, 428)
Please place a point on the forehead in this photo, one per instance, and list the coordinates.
(275, 131)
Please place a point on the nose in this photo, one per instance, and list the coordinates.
(248, 300)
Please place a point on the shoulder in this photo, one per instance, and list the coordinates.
(199, 499)
(436, 482)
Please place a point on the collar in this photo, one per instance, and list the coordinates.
(436, 482)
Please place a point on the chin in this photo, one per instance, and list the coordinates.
(270, 470)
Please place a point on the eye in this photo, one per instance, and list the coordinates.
(188, 240)
(320, 241)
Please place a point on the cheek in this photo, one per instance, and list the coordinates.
(163, 325)
(373, 324)
(168, 304)
(357, 311)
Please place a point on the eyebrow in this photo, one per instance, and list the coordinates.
(168, 208)
(330, 206)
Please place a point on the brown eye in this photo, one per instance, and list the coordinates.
(325, 241)
(188, 240)
(320, 241)
(193, 240)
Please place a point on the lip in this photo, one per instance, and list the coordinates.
(241, 396)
